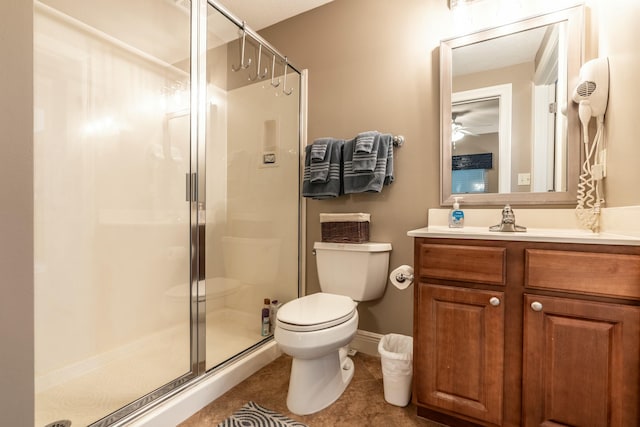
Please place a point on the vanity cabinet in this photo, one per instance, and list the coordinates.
(517, 333)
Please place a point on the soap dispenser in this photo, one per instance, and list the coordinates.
(456, 215)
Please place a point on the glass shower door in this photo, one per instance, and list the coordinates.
(143, 282)
(252, 188)
(112, 226)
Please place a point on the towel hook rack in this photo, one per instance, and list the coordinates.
(275, 83)
(284, 84)
(242, 65)
(266, 69)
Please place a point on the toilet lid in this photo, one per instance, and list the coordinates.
(316, 311)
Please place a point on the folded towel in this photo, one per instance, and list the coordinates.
(364, 142)
(366, 161)
(319, 170)
(365, 181)
(332, 187)
(319, 149)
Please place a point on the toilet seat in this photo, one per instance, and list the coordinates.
(315, 312)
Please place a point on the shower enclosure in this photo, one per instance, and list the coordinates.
(167, 143)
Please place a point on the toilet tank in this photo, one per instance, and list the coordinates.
(357, 270)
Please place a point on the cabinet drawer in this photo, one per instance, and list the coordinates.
(464, 263)
(616, 275)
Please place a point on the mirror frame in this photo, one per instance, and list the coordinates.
(574, 17)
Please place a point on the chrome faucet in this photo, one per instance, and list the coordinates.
(508, 222)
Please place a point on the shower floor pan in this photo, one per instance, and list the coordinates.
(95, 388)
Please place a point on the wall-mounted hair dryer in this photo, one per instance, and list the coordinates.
(592, 92)
(592, 95)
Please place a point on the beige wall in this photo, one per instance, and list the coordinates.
(373, 65)
(618, 34)
(16, 214)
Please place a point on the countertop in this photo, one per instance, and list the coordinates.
(618, 226)
(531, 235)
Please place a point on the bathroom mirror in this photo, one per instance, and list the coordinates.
(509, 130)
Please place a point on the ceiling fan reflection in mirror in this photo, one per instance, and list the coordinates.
(473, 118)
(458, 131)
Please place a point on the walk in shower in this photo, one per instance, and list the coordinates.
(167, 143)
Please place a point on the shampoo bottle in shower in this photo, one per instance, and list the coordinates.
(456, 215)
(266, 324)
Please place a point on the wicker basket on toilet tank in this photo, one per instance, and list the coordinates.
(345, 228)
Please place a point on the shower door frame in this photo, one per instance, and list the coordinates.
(196, 182)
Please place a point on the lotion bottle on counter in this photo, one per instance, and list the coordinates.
(456, 215)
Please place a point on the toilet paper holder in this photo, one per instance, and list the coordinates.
(402, 277)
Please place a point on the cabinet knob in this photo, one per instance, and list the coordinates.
(536, 306)
(494, 301)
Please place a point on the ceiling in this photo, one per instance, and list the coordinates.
(263, 13)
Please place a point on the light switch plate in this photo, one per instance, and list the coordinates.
(524, 179)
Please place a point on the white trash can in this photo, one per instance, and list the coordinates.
(396, 354)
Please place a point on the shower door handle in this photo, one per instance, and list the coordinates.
(191, 190)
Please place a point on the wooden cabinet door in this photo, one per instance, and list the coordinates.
(460, 351)
(580, 363)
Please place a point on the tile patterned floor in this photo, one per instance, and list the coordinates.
(362, 404)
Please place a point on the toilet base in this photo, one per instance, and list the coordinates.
(317, 383)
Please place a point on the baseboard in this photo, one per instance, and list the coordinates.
(366, 342)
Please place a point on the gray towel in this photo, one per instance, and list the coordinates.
(364, 142)
(319, 170)
(364, 161)
(319, 149)
(369, 181)
(332, 187)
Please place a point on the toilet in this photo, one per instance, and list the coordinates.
(314, 329)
